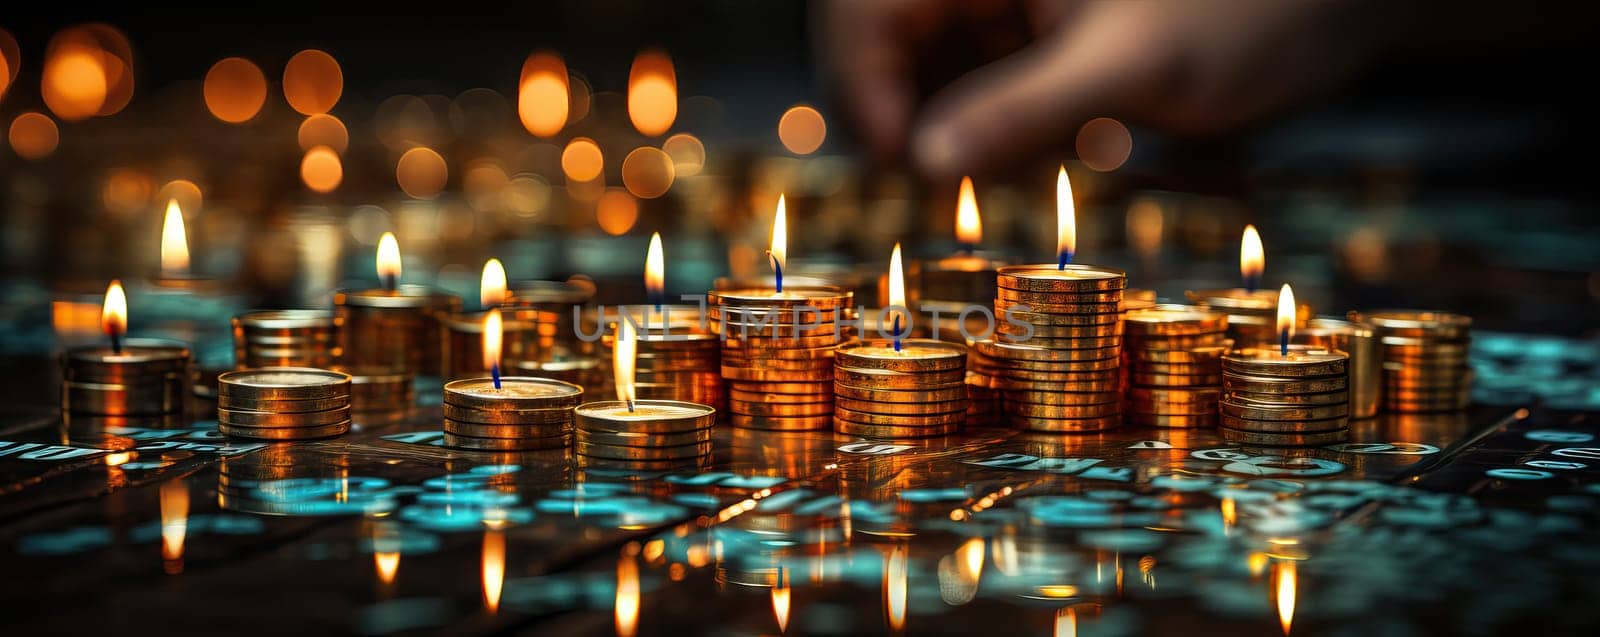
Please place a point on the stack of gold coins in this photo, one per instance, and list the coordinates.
(146, 378)
(1425, 364)
(1252, 314)
(647, 434)
(380, 398)
(397, 330)
(523, 414)
(1360, 341)
(1173, 354)
(777, 354)
(1276, 399)
(586, 371)
(1061, 361)
(283, 403)
(286, 338)
(546, 307)
(983, 390)
(914, 390)
(676, 358)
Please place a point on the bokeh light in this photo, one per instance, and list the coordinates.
(235, 89)
(321, 169)
(323, 130)
(34, 135)
(74, 82)
(647, 172)
(616, 211)
(652, 93)
(127, 191)
(580, 96)
(687, 153)
(527, 195)
(802, 130)
(421, 172)
(542, 96)
(115, 56)
(10, 61)
(582, 160)
(484, 183)
(186, 193)
(1104, 144)
(1145, 224)
(312, 82)
(403, 121)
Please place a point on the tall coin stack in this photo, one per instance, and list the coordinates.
(777, 355)
(915, 390)
(147, 378)
(983, 389)
(286, 338)
(524, 414)
(1425, 360)
(1064, 376)
(676, 359)
(283, 403)
(1174, 359)
(1277, 400)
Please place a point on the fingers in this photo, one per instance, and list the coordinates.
(867, 47)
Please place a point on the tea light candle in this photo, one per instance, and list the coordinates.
(965, 277)
(1242, 304)
(394, 327)
(129, 378)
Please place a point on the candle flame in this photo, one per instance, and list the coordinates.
(897, 290)
(114, 312)
(389, 260)
(1287, 582)
(386, 551)
(1252, 257)
(627, 606)
(1286, 314)
(174, 522)
(622, 360)
(1066, 221)
(969, 228)
(493, 333)
(894, 588)
(1230, 513)
(655, 269)
(492, 286)
(971, 558)
(780, 604)
(174, 242)
(780, 235)
(1066, 623)
(494, 568)
(652, 93)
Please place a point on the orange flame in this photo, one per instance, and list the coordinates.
(493, 333)
(174, 523)
(492, 286)
(897, 286)
(971, 558)
(627, 606)
(652, 93)
(1287, 583)
(114, 313)
(494, 568)
(174, 242)
(780, 235)
(969, 228)
(894, 588)
(1252, 257)
(655, 268)
(1230, 514)
(388, 259)
(1286, 311)
(543, 95)
(1066, 220)
(622, 359)
(780, 604)
(1066, 623)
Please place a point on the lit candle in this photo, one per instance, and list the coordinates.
(128, 378)
(1066, 222)
(947, 286)
(466, 334)
(393, 328)
(1285, 318)
(1251, 311)
(629, 429)
(897, 296)
(779, 251)
(682, 357)
(176, 274)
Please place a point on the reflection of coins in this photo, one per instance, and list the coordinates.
(1268, 385)
(285, 433)
(1285, 440)
(616, 452)
(505, 444)
(851, 428)
(683, 464)
(1059, 425)
(1309, 412)
(1285, 426)
(948, 392)
(1179, 421)
(1269, 400)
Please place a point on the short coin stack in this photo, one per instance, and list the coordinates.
(1425, 364)
(286, 338)
(380, 398)
(1173, 356)
(523, 414)
(146, 378)
(777, 354)
(654, 433)
(1273, 399)
(586, 371)
(983, 390)
(283, 403)
(1061, 367)
(915, 390)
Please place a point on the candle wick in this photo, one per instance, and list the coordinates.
(968, 248)
(1063, 259)
(777, 269)
(895, 330)
(494, 372)
(1283, 343)
(1251, 283)
(630, 405)
(390, 282)
(116, 343)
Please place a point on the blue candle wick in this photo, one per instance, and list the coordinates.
(1063, 259)
(390, 282)
(1283, 342)
(1251, 283)
(494, 372)
(777, 269)
(116, 343)
(895, 330)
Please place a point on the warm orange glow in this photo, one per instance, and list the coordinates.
(1286, 311)
(185, 192)
(1252, 257)
(174, 521)
(1145, 225)
(494, 568)
(114, 312)
(1104, 144)
(387, 564)
(969, 228)
(388, 258)
(1066, 623)
(1230, 514)
(897, 290)
(493, 333)
(74, 83)
(780, 604)
(647, 172)
(802, 130)
(323, 130)
(421, 172)
(34, 135)
(174, 242)
(655, 268)
(10, 61)
(235, 89)
(321, 169)
(687, 153)
(894, 588)
(1066, 217)
(127, 190)
(582, 160)
(616, 211)
(970, 559)
(312, 82)
(780, 235)
(627, 605)
(543, 95)
(1287, 583)
(652, 93)
(492, 285)
(623, 356)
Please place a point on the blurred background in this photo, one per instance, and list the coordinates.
(558, 136)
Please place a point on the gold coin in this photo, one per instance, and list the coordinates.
(852, 428)
(1286, 412)
(897, 408)
(1175, 421)
(897, 420)
(771, 423)
(1176, 380)
(1046, 397)
(1038, 319)
(1284, 440)
(1063, 367)
(1271, 385)
(1174, 396)
(1174, 322)
(1280, 426)
(642, 453)
(780, 409)
(1181, 369)
(284, 433)
(1097, 343)
(1012, 330)
(1064, 425)
(1069, 278)
(515, 392)
(778, 364)
(480, 430)
(803, 354)
(1416, 323)
(653, 427)
(505, 444)
(775, 375)
(911, 355)
(1010, 383)
(283, 406)
(242, 418)
(1018, 352)
(283, 383)
(639, 439)
(1302, 361)
(1062, 411)
(1272, 400)
(793, 387)
(1024, 296)
(1172, 409)
(820, 297)
(540, 416)
(1001, 306)
(781, 399)
(761, 344)
(889, 379)
(257, 321)
(930, 394)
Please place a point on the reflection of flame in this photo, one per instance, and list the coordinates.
(780, 603)
(174, 242)
(492, 286)
(1066, 623)
(780, 235)
(971, 558)
(1230, 514)
(655, 268)
(894, 587)
(1066, 222)
(1286, 591)
(969, 228)
(174, 523)
(627, 608)
(1252, 257)
(388, 259)
(494, 567)
(897, 288)
(652, 93)
(1286, 311)
(492, 334)
(622, 360)
(114, 313)
(543, 94)
(388, 565)
(386, 551)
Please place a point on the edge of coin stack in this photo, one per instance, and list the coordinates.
(286, 338)
(527, 414)
(779, 370)
(666, 434)
(1426, 364)
(677, 361)
(283, 403)
(379, 397)
(150, 379)
(915, 390)
(1173, 355)
(1274, 400)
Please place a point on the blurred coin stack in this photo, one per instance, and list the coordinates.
(1425, 360)
(397, 330)
(1061, 367)
(915, 390)
(1252, 314)
(676, 360)
(461, 343)
(524, 414)
(546, 307)
(286, 338)
(777, 354)
(1173, 356)
(147, 378)
(380, 398)
(283, 403)
(983, 389)
(586, 371)
(654, 434)
(1360, 342)
(1273, 399)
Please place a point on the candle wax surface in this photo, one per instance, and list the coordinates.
(130, 354)
(1069, 274)
(1305, 354)
(907, 350)
(643, 410)
(512, 387)
(286, 378)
